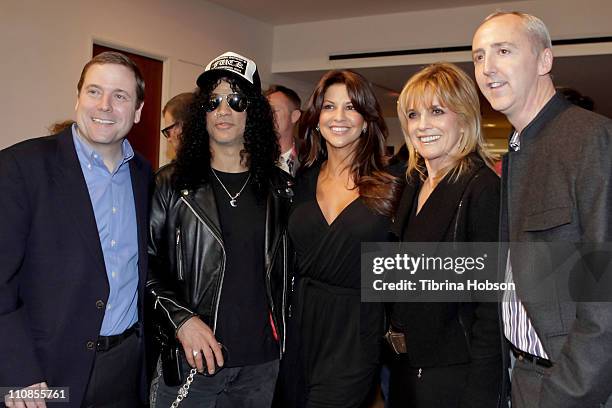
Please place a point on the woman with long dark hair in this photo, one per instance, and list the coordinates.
(452, 353)
(343, 197)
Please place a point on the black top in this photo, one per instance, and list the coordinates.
(243, 324)
(331, 253)
(442, 219)
(412, 219)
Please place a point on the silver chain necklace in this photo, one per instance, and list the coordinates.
(233, 198)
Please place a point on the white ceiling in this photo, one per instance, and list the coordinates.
(278, 12)
(587, 74)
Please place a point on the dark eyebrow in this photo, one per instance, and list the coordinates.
(96, 86)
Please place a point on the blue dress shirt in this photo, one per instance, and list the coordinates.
(112, 200)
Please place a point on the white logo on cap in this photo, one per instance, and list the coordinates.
(230, 63)
(235, 63)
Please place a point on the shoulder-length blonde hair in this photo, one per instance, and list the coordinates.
(456, 91)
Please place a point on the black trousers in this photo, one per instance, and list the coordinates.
(115, 377)
(433, 387)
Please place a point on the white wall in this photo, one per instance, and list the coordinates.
(44, 45)
(307, 46)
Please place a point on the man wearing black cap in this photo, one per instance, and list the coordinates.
(218, 247)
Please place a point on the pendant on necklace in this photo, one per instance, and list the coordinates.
(233, 198)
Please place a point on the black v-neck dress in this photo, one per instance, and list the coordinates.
(340, 336)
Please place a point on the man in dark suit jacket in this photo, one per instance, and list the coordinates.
(555, 188)
(73, 219)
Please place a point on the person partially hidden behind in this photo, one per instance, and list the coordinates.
(218, 247)
(285, 104)
(73, 222)
(175, 116)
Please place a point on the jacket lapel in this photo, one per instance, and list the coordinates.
(74, 195)
(140, 182)
(277, 208)
(435, 218)
(404, 208)
(503, 213)
(201, 199)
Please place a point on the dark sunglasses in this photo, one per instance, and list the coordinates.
(236, 101)
(166, 131)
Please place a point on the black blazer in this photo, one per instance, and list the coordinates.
(52, 272)
(440, 334)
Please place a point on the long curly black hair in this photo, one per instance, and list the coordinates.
(261, 149)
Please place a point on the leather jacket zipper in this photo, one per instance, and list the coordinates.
(285, 256)
(465, 332)
(460, 206)
(268, 277)
(179, 254)
(457, 214)
(220, 241)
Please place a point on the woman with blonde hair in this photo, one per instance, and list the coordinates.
(453, 350)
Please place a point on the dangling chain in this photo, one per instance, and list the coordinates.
(184, 390)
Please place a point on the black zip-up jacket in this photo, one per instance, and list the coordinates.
(187, 255)
(443, 334)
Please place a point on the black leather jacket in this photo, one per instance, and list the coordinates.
(187, 254)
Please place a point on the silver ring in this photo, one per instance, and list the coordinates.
(195, 353)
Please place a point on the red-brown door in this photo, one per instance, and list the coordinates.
(144, 136)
